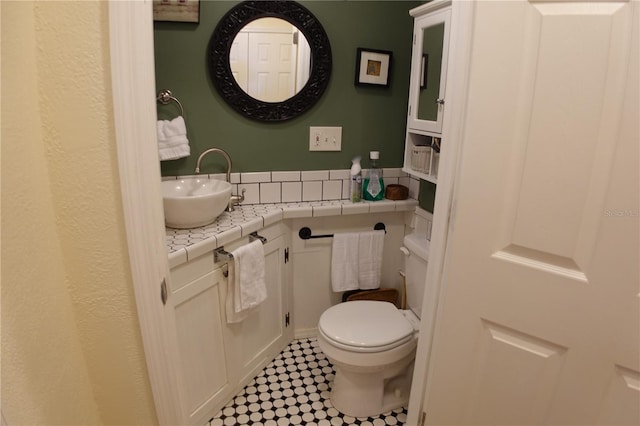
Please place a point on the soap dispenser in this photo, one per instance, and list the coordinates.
(373, 186)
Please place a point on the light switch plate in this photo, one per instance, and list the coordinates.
(325, 138)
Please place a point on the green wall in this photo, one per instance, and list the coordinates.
(372, 118)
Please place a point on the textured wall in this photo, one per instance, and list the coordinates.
(372, 118)
(71, 346)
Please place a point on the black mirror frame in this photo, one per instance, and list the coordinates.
(220, 70)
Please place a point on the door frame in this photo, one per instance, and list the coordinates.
(134, 109)
(133, 89)
(459, 71)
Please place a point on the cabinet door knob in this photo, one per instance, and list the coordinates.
(440, 101)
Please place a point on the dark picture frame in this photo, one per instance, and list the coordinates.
(176, 11)
(373, 67)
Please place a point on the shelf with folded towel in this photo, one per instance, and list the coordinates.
(305, 233)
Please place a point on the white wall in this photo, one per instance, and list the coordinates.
(311, 276)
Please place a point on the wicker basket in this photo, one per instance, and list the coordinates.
(421, 158)
(383, 294)
(396, 192)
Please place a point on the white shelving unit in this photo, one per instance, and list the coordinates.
(427, 89)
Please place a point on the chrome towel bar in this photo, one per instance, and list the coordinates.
(221, 255)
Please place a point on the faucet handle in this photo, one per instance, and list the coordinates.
(235, 200)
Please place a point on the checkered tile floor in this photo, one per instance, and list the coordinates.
(294, 390)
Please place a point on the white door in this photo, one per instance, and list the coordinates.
(539, 320)
(271, 66)
(238, 60)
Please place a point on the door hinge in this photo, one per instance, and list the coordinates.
(286, 320)
(286, 255)
(423, 417)
(295, 38)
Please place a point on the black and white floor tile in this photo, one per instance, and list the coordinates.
(294, 390)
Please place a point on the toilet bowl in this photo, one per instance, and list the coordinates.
(372, 345)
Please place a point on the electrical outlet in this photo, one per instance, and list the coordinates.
(325, 138)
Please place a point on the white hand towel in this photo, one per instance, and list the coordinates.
(172, 139)
(247, 286)
(370, 248)
(344, 262)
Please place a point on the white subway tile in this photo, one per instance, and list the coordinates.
(339, 174)
(382, 206)
(315, 175)
(331, 189)
(390, 181)
(345, 189)
(392, 173)
(291, 192)
(327, 210)
(270, 193)
(285, 176)
(235, 177)
(255, 177)
(312, 191)
(355, 208)
(414, 188)
(252, 194)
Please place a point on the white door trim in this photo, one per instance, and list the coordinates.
(444, 208)
(133, 88)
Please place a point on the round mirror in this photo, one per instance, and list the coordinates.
(269, 60)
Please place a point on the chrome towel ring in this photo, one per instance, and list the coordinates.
(165, 97)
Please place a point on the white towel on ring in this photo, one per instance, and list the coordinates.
(172, 139)
(246, 285)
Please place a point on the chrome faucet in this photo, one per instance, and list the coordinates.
(235, 199)
(221, 152)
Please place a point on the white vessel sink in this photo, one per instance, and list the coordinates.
(194, 201)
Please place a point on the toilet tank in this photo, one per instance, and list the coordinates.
(416, 251)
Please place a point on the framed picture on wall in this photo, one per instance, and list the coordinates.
(176, 10)
(373, 67)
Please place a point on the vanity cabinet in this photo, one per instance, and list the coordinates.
(218, 359)
(427, 89)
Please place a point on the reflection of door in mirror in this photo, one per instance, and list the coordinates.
(270, 59)
(432, 42)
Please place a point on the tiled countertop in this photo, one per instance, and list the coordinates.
(184, 244)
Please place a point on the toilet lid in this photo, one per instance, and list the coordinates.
(365, 326)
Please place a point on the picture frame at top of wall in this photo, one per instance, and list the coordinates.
(176, 11)
(373, 67)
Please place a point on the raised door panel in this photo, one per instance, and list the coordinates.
(263, 334)
(201, 346)
(541, 322)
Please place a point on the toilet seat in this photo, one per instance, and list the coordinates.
(365, 326)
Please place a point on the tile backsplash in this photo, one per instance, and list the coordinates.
(308, 185)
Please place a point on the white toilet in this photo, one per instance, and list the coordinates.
(372, 344)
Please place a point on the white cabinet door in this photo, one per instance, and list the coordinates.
(429, 71)
(199, 325)
(255, 341)
(540, 320)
